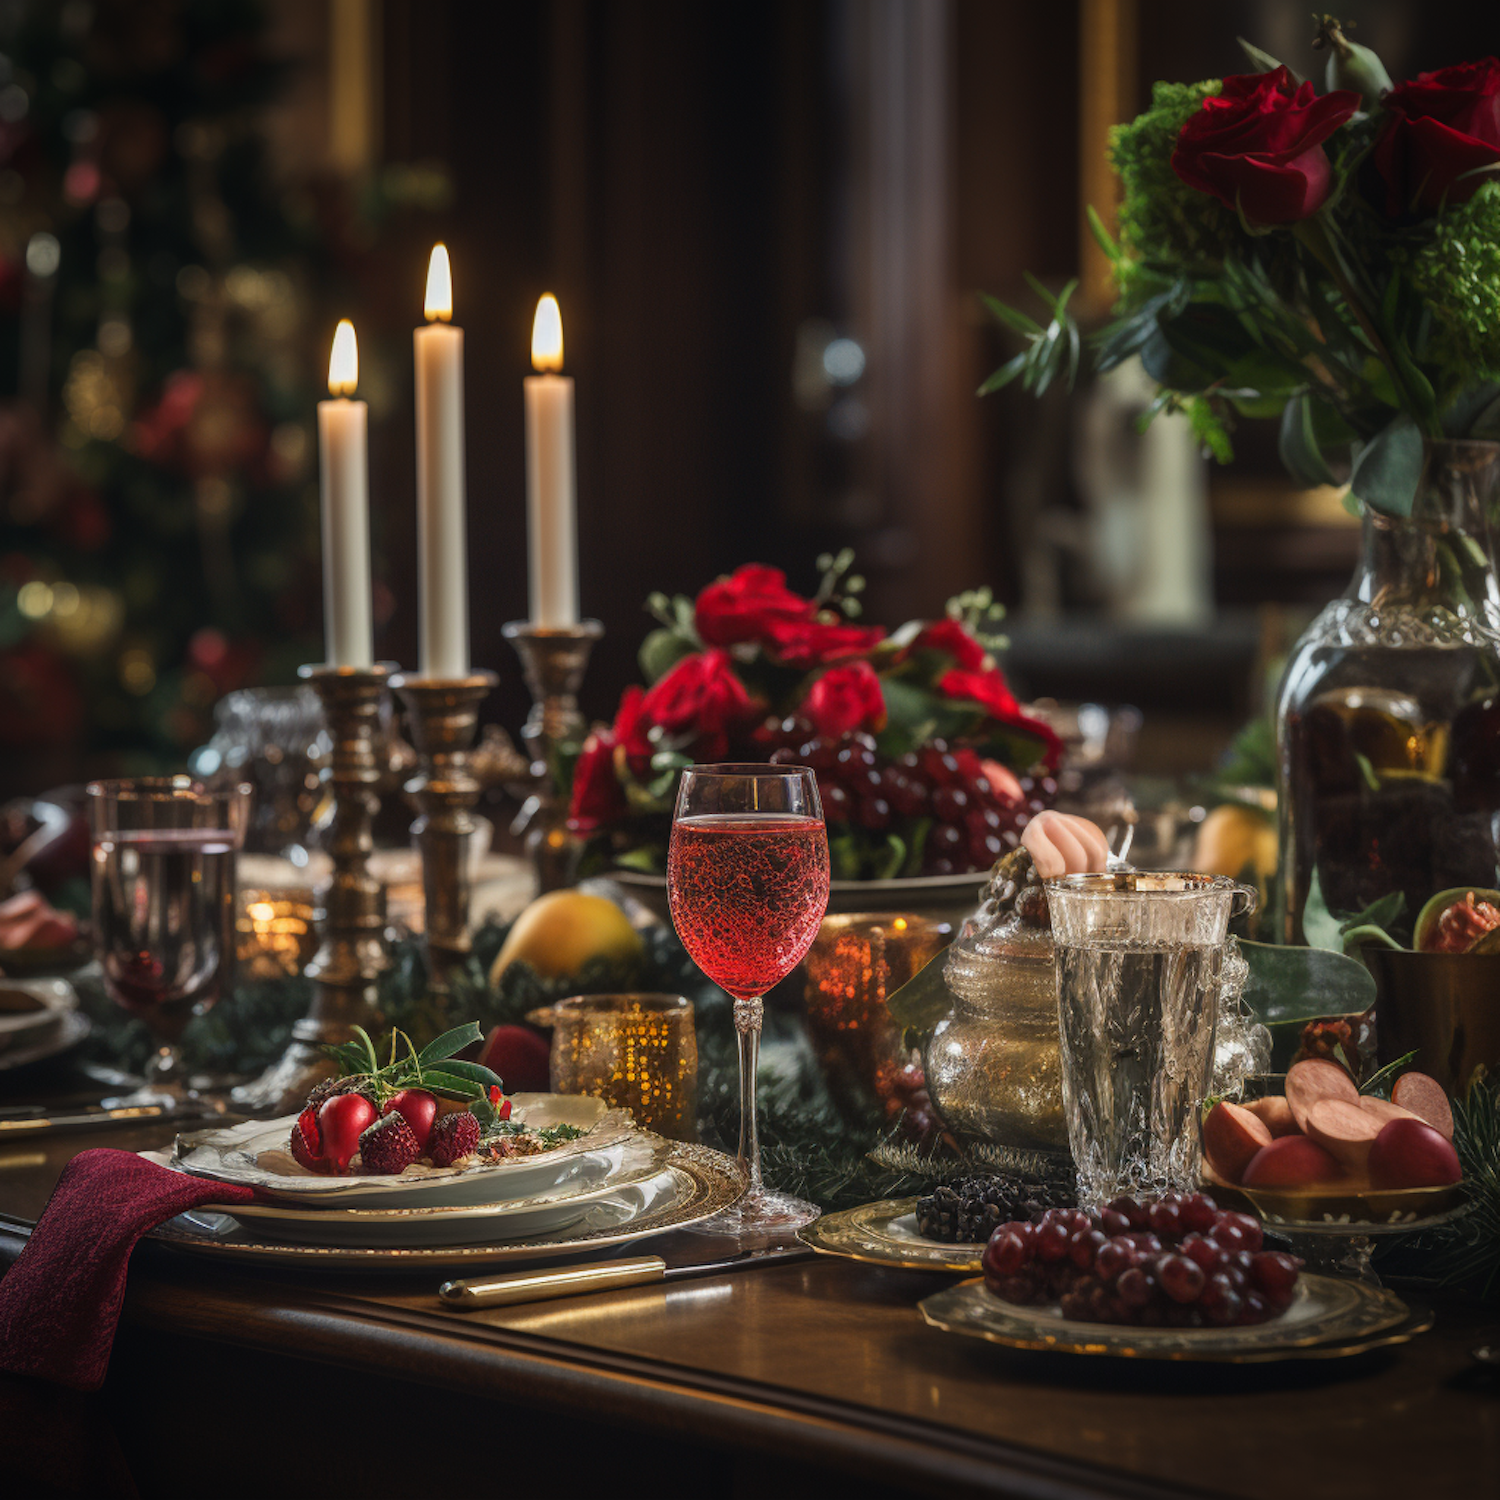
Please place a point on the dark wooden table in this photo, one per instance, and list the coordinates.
(812, 1377)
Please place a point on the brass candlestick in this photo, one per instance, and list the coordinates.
(553, 661)
(350, 904)
(443, 714)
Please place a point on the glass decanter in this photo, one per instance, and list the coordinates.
(1388, 715)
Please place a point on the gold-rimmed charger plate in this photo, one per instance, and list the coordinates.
(711, 1182)
(885, 1234)
(1328, 1319)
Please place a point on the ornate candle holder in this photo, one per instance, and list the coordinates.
(553, 661)
(350, 910)
(443, 714)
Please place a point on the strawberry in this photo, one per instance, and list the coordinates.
(389, 1146)
(307, 1141)
(341, 1122)
(419, 1109)
(453, 1138)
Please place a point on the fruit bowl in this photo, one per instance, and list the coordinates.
(1341, 1206)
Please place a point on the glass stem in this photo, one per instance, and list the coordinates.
(747, 1019)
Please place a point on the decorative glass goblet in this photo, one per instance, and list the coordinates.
(164, 906)
(747, 878)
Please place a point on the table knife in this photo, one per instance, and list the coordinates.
(34, 1120)
(597, 1276)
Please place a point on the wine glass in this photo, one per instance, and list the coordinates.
(164, 907)
(747, 878)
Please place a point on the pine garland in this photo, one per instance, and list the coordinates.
(807, 1146)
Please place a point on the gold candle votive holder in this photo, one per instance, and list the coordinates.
(275, 934)
(855, 962)
(637, 1052)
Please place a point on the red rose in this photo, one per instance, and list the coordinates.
(988, 689)
(1258, 146)
(1441, 127)
(948, 636)
(698, 702)
(812, 643)
(608, 756)
(844, 699)
(744, 606)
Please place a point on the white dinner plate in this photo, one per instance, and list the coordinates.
(29, 1006)
(257, 1154)
(710, 1182)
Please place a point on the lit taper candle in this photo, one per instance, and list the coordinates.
(442, 552)
(552, 527)
(344, 464)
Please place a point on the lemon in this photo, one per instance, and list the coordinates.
(1234, 839)
(561, 931)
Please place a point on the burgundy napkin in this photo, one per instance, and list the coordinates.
(60, 1301)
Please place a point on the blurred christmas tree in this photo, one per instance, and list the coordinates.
(158, 504)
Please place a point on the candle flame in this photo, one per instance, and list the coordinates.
(438, 303)
(546, 337)
(343, 363)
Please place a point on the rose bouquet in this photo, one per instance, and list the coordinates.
(926, 762)
(1332, 259)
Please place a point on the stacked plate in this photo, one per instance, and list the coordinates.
(38, 1018)
(612, 1184)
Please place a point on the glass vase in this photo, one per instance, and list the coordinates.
(1388, 715)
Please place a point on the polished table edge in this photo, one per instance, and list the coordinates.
(483, 1359)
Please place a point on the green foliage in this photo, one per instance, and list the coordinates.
(1166, 227)
(1456, 272)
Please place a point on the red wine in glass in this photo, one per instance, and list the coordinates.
(747, 878)
(748, 894)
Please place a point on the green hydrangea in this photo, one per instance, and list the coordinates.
(1162, 220)
(1457, 275)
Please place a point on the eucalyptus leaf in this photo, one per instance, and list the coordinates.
(1300, 984)
(1298, 443)
(439, 1081)
(924, 999)
(1388, 468)
(444, 1046)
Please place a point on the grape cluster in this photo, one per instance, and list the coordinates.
(969, 1212)
(969, 820)
(1172, 1262)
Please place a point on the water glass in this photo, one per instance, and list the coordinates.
(1139, 957)
(163, 868)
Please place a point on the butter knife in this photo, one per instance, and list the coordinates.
(515, 1287)
(35, 1121)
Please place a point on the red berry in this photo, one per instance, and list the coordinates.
(389, 1146)
(453, 1137)
(419, 1109)
(503, 1112)
(341, 1121)
(307, 1143)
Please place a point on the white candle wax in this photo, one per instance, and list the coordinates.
(441, 543)
(344, 466)
(551, 500)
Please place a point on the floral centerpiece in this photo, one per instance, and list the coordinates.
(926, 762)
(1331, 259)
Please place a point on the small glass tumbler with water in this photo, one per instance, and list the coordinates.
(1139, 956)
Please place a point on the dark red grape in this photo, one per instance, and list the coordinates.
(1052, 1241)
(1255, 1310)
(1134, 1287)
(783, 757)
(874, 813)
(1181, 1279)
(1165, 1217)
(1203, 1251)
(945, 839)
(819, 753)
(1132, 1212)
(1273, 1273)
(1114, 1257)
(950, 803)
(1199, 1213)
(909, 798)
(1248, 1225)
(1112, 1221)
(1227, 1233)
(1084, 1245)
(1005, 1254)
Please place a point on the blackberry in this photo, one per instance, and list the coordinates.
(969, 1212)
